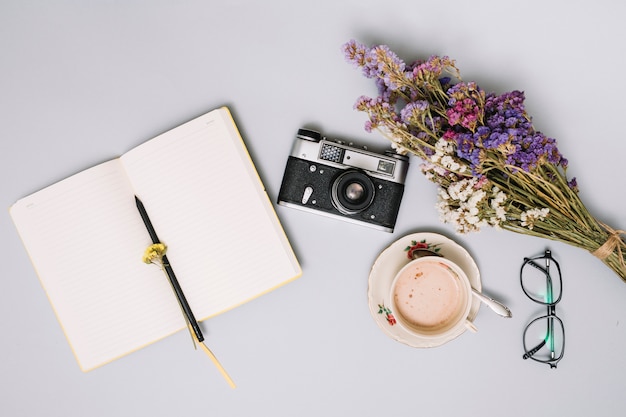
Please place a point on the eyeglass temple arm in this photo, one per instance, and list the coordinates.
(546, 271)
(534, 350)
(535, 265)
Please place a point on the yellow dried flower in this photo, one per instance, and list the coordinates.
(154, 253)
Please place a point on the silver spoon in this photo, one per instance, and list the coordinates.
(496, 306)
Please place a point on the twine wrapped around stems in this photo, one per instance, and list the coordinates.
(614, 242)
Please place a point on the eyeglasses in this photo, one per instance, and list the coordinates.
(544, 337)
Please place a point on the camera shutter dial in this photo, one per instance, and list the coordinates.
(352, 192)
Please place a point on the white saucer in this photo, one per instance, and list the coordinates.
(391, 260)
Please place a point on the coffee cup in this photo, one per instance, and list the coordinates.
(432, 298)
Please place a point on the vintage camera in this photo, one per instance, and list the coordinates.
(336, 179)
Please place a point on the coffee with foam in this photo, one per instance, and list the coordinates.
(431, 296)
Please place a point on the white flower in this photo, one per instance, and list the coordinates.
(449, 163)
(530, 217)
(497, 204)
(444, 147)
(460, 205)
(444, 156)
(399, 148)
(431, 171)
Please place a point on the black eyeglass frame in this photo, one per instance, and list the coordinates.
(551, 317)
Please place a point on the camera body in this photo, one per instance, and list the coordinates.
(338, 180)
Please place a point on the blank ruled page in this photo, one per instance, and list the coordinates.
(208, 205)
(86, 240)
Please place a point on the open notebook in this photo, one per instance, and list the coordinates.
(86, 239)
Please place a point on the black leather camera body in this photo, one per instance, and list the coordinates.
(339, 180)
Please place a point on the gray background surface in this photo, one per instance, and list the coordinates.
(83, 82)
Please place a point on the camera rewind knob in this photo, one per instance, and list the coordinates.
(309, 134)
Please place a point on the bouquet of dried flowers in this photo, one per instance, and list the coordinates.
(492, 167)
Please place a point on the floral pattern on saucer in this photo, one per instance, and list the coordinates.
(391, 260)
(422, 244)
(391, 320)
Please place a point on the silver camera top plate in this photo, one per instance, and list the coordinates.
(391, 168)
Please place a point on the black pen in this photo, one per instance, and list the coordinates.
(170, 273)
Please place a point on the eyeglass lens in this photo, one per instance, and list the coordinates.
(541, 279)
(544, 340)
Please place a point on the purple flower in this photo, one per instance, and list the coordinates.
(445, 82)
(465, 105)
(513, 100)
(377, 62)
(476, 122)
(496, 139)
(413, 109)
(467, 149)
(432, 68)
(387, 58)
(464, 112)
(388, 65)
(360, 56)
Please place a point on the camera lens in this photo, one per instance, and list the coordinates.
(352, 192)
